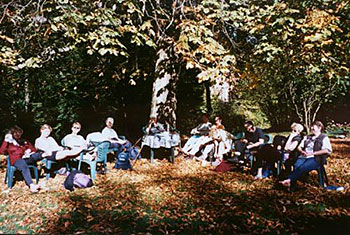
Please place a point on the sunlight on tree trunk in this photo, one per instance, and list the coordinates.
(164, 101)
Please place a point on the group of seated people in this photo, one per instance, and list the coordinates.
(302, 153)
(22, 153)
(207, 138)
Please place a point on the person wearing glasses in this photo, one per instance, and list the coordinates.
(51, 150)
(291, 148)
(73, 140)
(280, 145)
(313, 151)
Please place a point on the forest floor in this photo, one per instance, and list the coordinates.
(181, 198)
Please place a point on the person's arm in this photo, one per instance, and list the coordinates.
(260, 140)
(301, 147)
(326, 148)
(291, 143)
(3, 147)
(195, 131)
(256, 144)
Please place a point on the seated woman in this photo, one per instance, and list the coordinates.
(51, 149)
(200, 136)
(291, 147)
(220, 142)
(21, 153)
(313, 149)
(158, 136)
(288, 146)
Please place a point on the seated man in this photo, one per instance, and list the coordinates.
(51, 149)
(253, 139)
(313, 152)
(110, 134)
(73, 140)
(200, 136)
(158, 136)
(21, 153)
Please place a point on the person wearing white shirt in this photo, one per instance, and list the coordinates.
(50, 148)
(74, 140)
(109, 133)
(313, 149)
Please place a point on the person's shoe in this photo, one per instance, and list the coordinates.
(216, 163)
(34, 188)
(258, 177)
(204, 163)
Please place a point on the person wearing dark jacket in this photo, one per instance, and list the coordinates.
(313, 152)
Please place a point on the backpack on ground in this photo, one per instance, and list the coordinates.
(77, 179)
(123, 161)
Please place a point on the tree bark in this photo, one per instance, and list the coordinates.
(208, 97)
(164, 102)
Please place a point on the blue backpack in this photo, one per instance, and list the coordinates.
(134, 152)
(123, 161)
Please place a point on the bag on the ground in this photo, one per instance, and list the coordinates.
(223, 167)
(77, 179)
(134, 153)
(123, 161)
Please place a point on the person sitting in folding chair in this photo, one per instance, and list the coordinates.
(22, 153)
(51, 149)
(117, 144)
(200, 136)
(253, 139)
(74, 141)
(158, 135)
(313, 149)
(220, 143)
(291, 152)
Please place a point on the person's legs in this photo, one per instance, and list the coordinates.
(208, 148)
(190, 142)
(33, 159)
(68, 153)
(22, 166)
(240, 147)
(202, 141)
(308, 165)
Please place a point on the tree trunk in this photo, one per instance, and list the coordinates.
(164, 101)
(208, 96)
(26, 94)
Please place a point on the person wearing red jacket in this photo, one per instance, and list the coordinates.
(21, 153)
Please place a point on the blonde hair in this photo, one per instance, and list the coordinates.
(46, 126)
(297, 127)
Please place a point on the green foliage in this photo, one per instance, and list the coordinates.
(300, 59)
(236, 112)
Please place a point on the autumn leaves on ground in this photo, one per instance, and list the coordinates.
(184, 197)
